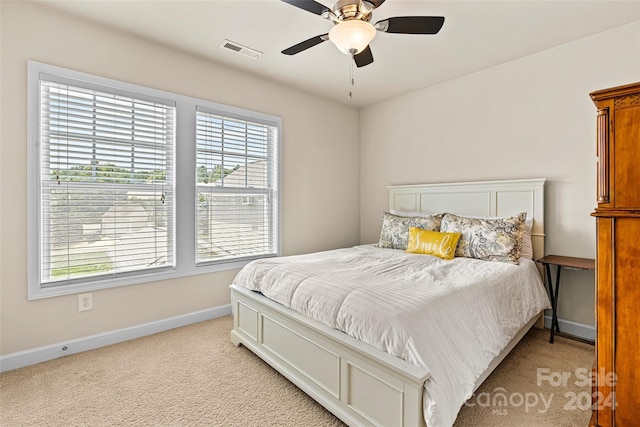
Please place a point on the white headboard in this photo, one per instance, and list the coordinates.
(487, 198)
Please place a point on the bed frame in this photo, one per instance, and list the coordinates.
(358, 383)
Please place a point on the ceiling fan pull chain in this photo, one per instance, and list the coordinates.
(351, 61)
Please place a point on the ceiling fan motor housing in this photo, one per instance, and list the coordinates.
(345, 10)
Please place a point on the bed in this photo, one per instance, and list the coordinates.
(402, 376)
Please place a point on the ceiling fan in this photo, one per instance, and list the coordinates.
(353, 32)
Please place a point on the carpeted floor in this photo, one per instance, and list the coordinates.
(193, 376)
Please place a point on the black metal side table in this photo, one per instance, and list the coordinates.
(561, 261)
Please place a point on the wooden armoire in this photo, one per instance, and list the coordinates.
(616, 396)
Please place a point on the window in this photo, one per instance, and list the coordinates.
(106, 183)
(111, 198)
(236, 184)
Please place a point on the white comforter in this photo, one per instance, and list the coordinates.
(449, 317)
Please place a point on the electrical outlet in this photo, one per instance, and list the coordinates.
(85, 302)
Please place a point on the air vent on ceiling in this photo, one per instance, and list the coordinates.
(242, 50)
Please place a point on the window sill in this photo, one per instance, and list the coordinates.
(37, 292)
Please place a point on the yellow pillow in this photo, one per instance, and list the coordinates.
(429, 242)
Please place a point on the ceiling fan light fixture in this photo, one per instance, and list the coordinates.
(352, 36)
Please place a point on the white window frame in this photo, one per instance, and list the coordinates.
(184, 191)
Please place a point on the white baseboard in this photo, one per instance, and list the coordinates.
(580, 330)
(41, 354)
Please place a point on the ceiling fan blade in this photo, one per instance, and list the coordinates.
(363, 58)
(306, 44)
(411, 24)
(308, 5)
(376, 3)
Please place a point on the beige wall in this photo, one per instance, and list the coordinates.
(314, 201)
(530, 118)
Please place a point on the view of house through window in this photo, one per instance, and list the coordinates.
(106, 183)
(236, 181)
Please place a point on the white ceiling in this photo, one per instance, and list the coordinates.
(476, 35)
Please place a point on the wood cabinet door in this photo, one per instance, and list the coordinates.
(627, 321)
(626, 131)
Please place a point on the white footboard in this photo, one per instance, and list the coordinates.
(361, 385)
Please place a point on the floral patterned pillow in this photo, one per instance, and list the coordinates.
(494, 239)
(395, 228)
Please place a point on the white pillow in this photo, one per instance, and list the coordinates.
(526, 251)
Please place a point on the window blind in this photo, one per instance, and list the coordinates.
(237, 184)
(106, 183)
